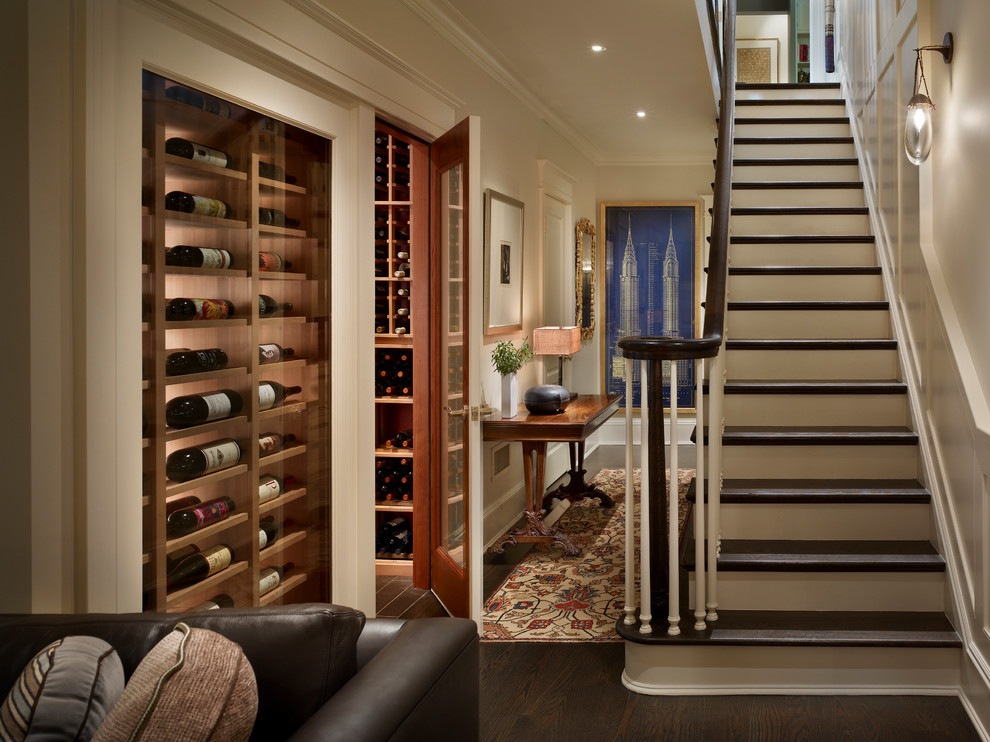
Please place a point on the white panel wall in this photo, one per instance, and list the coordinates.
(932, 243)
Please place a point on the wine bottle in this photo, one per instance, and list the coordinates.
(198, 152)
(272, 262)
(271, 393)
(275, 218)
(400, 545)
(222, 600)
(403, 439)
(184, 362)
(183, 309)
(176, 503)
(273, 353)
(271, 577)
(188, 256)
(267, 532)
(187, 520)
(270, 486)
(386, 531)
(190, 463)
(402, 271)
(275, 172)
(402, 292)
(192, 204)
(269, 443)
(194, 98)
(199, 566)
(402, 255)
(268, 307)
(198, 409)
(178, 555)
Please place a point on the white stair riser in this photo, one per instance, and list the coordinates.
(836, 253)
(820, 462)
(800, 224)
(799, 93)
(816, 409)
(809, 287)
(761, 173)
(766, 324)
(694, 669)
(774, 150)
(786, 128)
(864, 521)
(842, 197)
(811, 364)
(828, 591)
(784, 110)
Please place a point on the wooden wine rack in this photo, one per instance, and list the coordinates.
(249, 138)
(402, 237)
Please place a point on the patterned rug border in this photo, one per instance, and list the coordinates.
(549, 597)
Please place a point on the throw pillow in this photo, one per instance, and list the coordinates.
(64, 693)
(193, 686)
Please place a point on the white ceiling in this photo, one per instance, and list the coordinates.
(654, 62)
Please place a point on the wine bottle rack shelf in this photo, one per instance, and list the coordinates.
(259, 152)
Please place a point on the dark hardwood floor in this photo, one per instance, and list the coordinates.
(550, 692)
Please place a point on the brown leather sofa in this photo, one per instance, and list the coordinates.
(324, 672)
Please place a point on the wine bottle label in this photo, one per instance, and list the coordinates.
(213, 258)
(221, 457)
(209, 206)
(209, 155)
(218, 558)
(268, 489)
(268, 444)
(266, 396)
(211, 309)
(269, 261)
(217, 406)
(270, 353)
(262, 538)
(269, 580)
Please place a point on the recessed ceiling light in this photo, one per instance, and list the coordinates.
(641, 114)
(597, 48)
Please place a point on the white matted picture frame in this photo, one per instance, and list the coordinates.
(503, 263)
(757, 55)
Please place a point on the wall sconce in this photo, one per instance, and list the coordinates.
(918, 125)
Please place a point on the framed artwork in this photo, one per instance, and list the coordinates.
(651, 255)
(756, 60)
(503, 263)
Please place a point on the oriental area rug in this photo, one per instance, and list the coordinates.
(550, 596)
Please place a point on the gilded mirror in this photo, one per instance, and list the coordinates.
(584, 274)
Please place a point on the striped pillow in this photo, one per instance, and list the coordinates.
(65, 692)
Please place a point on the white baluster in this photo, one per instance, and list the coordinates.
(644, 502)
(630, 526)
(699, 500)
(714, 477)
(673, 520)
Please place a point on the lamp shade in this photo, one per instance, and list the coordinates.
(556, 341)
(918, 129)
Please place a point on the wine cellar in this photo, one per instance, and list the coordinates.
(236, 264)
(402, 383)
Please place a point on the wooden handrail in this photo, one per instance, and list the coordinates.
(713, 29)
(664, 348)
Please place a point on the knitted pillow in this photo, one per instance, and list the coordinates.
(193, 686)
(64, 692)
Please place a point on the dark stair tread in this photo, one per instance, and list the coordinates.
(758, 555)
(808, 628)
(796, 185)
(852, 386)
(820, 435)
(787, 86)
(788, 239)
(796, 305)
(805, 270)
(812, 344)
(824, 490)
(800, 162)
(799, 211)
(792, 120)
(792, 140)
(792, 102)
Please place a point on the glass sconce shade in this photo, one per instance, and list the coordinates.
(918, 129)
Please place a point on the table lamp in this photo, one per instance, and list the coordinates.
(552, 341)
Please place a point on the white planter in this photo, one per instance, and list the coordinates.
(510, 395)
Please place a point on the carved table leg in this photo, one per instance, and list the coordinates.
(576, 488)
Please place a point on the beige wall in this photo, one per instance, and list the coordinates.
(932, 245)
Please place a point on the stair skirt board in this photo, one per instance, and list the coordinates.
(783, 324)
(876, 520)
(827, 591)
(708, 670)
(816, 409)
(820, 462)
(838, 287)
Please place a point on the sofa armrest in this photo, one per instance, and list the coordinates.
(421, 685)
(375, 636)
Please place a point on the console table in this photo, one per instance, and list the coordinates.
(582, 417)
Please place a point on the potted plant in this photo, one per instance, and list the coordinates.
(507, 360)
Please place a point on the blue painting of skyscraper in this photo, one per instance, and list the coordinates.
(650, 254)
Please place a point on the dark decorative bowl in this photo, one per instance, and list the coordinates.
(546, 399)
